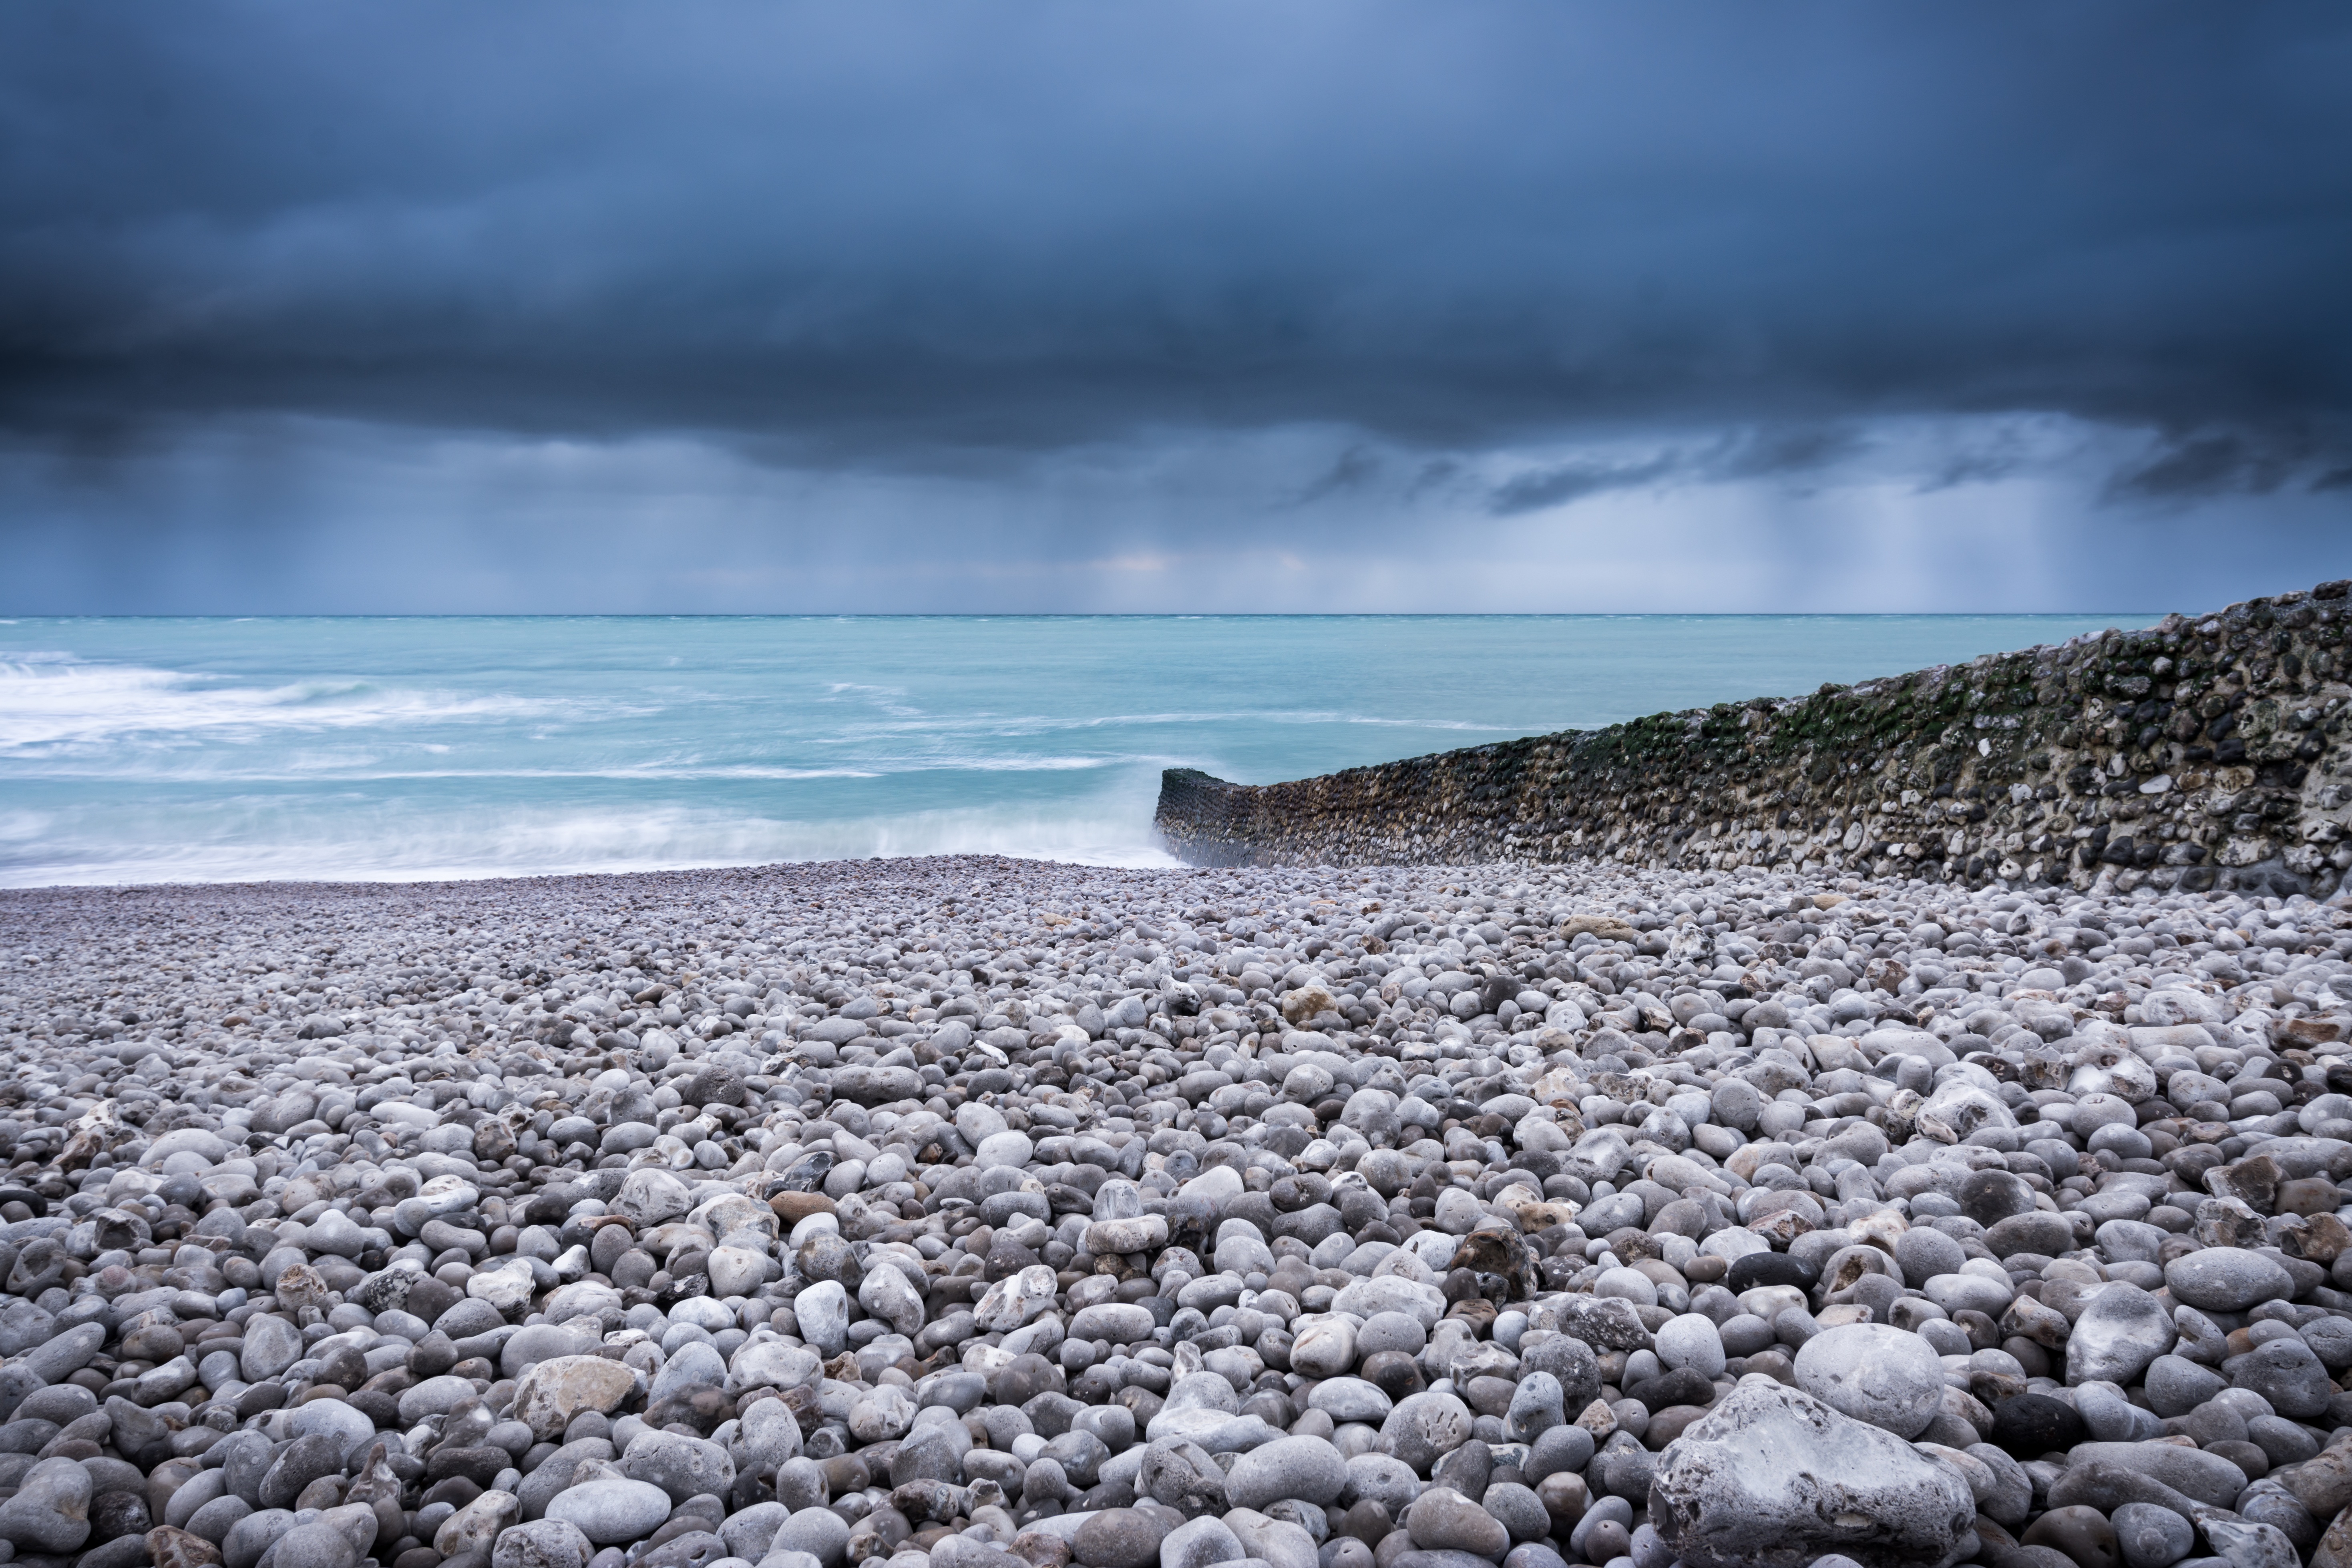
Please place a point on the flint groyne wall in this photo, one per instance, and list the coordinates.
(2206, 752)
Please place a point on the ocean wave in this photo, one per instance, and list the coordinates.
(1016, 726)
(317, 769)
(381, 847)
(52, 701)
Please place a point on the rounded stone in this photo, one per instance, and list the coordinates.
(1324, 1349)
(1923, 1252)
(2176, 1385)
(2148, 1536)
(1425, 1427)
(1518, 1510)
(1199, 1543)
(682, 1467)
(2040, 1232)
(2121, 1330)
(819, 1531)
(2031, 1425)
(2226, 1279)
(1691, 1341)
(611, 1511)
(1443, 1520)
(1308, 1469)
(2080, 1532)
(1566, 1450)
(1346, 1399)
(1391, 1331)
(1538, 1405)
(1119, 1538)
(49, 1513)
(315, 1545)
(1883, 1375)
(2285, 1373)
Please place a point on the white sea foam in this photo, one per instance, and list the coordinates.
(40, 852)
(55, 702)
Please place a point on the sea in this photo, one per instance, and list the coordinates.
(335, 748)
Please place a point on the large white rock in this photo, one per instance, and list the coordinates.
(1772, 1478)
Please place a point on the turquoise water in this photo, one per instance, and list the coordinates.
(210, 749)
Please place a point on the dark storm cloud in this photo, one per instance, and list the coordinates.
(913, 236)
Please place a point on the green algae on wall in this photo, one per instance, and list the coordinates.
(2205, 752)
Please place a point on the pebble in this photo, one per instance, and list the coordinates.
(610, 1509)
(895, 1210)
(2119, 1333)
(1443, 1520)
(1873, 1373)
(2149, 1537)
(50, 1511)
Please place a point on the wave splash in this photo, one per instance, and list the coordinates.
(58, 704)
(39, 849)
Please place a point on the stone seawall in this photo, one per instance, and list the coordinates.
(2205, 752)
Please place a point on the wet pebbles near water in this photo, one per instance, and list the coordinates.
(980, 1214)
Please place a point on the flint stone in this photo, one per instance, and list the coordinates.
(1426, 1427)
(543, 1543)
(2119, 1333)
(1384, 1479)
(1773, 1477)
(818, 1531)
(2226, 1279)
(877, 1085)
(2176, 1385)
(1182, 1476)
(2191, 1472)
(271, 1345)
(2285, 1373)
(50, 1513)
(1346, 1399)
(552, 1392)
(1201, 1543)
(1120, 1538)
(1443, 1520)
(1873, 1373)
(1602, 1322)
(651, 1197)
(682, 1467)
(1308, 1469)
(611, 1511)
(302, 1461)
(1016, 1299)
(2250, 1545)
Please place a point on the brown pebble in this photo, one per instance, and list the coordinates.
(168, 1547)
(2080, 1532)
(793, 1208)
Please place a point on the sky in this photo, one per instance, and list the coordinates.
(1319, 305)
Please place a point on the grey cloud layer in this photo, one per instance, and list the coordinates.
(920, 235)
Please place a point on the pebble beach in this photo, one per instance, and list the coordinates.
(978, 1213)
